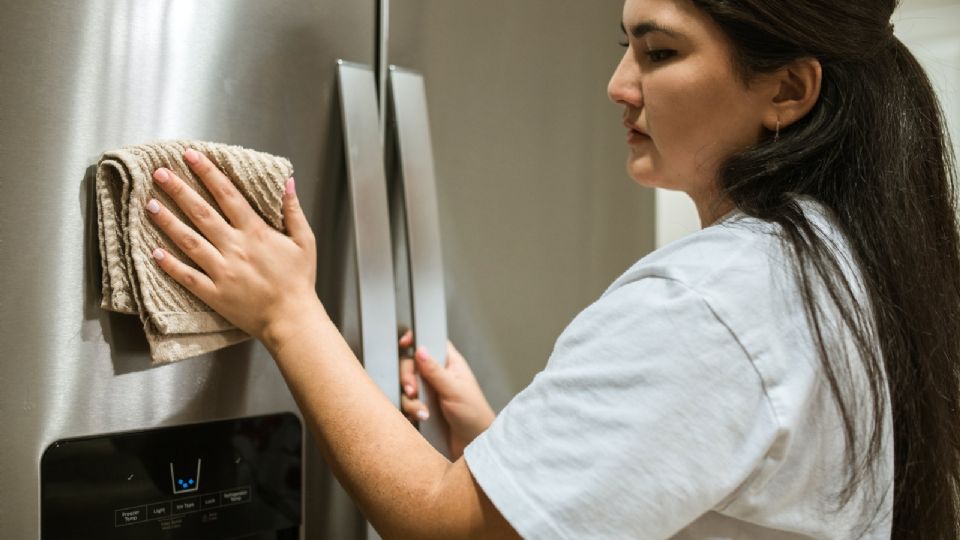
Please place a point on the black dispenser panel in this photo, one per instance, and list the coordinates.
(225, 479)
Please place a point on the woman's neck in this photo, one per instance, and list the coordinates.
(711, 207)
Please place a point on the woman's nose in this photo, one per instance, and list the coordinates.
(624, 86)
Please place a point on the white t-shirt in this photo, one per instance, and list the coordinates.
(687, 402)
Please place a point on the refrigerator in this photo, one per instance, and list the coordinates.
(525, 212)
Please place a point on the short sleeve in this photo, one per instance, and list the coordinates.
(648, 414)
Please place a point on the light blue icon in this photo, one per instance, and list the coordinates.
(186, 484)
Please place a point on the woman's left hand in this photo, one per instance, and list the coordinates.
(258, 278)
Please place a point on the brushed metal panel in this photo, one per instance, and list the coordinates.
(425, 260)
(81, 77)
(383, 60)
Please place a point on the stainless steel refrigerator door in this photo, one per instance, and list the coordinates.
(537, 215)
(81, 77)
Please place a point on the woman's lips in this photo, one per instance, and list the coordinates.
(634, 135)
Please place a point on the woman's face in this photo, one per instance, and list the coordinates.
(685, 108)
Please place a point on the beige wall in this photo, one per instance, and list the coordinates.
(907, 5)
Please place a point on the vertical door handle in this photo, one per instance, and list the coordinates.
(367, 183)
(428, 300)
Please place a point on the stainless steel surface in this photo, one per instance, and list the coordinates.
(424, 258)
(383, 50)
(374, 256)
(81, 77)
(537, 215)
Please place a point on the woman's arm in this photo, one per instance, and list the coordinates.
(263, 281)
(402, 484)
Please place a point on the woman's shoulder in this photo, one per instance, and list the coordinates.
(739, 256)
(743, 271)
(735, 250)
(727, 283)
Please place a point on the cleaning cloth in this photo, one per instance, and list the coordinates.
(178, 325)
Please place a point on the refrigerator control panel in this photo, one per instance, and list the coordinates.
(223, 479)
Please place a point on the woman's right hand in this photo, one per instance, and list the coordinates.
(460, 398)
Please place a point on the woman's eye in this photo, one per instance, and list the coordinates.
(623, 44)
(659, 55)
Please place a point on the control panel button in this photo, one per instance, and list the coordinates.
(235, 496)
(158, 510)
(183, 506)
(209, 501)
(129, 516)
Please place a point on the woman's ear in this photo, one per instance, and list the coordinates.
(796, 89)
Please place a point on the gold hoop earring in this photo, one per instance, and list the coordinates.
(776, 135)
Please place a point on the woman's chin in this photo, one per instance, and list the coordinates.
(643, 176)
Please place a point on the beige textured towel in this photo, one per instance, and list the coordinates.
(178, 325)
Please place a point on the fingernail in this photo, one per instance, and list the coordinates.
(422, 352)
(408, 388)
(160, 175)
(191, 155)
(153, 206)
(422, 414)
(291, 186)
(158, 254)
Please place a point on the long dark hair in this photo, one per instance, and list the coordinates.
(874, 150)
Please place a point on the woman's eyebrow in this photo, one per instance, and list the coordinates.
(646, 26)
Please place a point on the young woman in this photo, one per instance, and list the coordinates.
(787, 372)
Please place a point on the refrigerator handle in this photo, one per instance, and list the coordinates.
(422, 228)
(367, 186)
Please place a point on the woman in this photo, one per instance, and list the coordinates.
(787, 372)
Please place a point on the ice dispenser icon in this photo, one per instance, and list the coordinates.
(184, 480)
